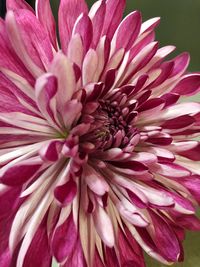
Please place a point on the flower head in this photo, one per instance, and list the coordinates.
(98, 157)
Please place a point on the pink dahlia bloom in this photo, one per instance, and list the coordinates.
(98, 158)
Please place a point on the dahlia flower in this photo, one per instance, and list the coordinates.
(99, 158)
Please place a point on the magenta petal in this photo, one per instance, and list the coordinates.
(77, 258)
(64, 240)
(47, 20)
(165, 238)
(97, 260)
(193, 154)
(65, 193)
(180, 64)
(9, 200)
(189, 85)
(179, 122)
(51, 151)
(20, 173)
(69, 11)
(192, 183)
(39, 253)
(132, 165)
(190, 222)
(129, 250)
(111, 258)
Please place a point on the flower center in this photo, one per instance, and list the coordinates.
(110, 126)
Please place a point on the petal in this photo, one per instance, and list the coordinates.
(171, 170)
(38, 253)
(18, 4)
(46, 91)
(101, 219)
(46, 18)
(89, 67)
(150, 24)
(95, 181)
(65, 193)
(63, 70)
(50, 151)
(64, 239)
(189, 222)
(18, 44)
(180, 110)
(20, 172)
(9, 60)
(114, 13)
(69, 11)
(97, 15)
(124, 38)
(192, 183)
(189, 85)
(77, 258)
(165, 238)
(84, 28)
(29, 39)
(178, 122)
(130, 251)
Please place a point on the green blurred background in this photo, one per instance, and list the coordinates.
(179, 26)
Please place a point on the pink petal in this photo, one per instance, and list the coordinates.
(160, 139)
(62, 68)
(150, 24)
(9, 60)
(25, 31)
(72, 112)
(46, 91)
(95, 181)
(46, 18)
(114, 13)
(8, 99)
(172, 170)
(64, 240)
(18, 4)
(84, 28)
(97, 20)
(101, 219)
(125, 38)
(69, 11)
(75, 51)
(89, 67)
(65, 193)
